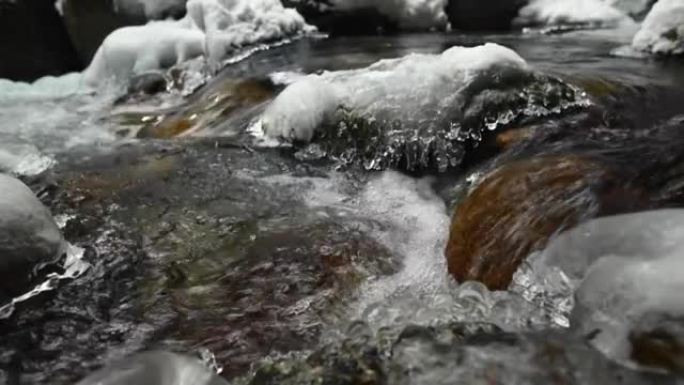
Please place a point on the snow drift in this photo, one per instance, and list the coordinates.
(662, 32)
(592, 13)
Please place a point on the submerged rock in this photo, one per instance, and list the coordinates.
(35, 42)
(155, 368)
(662, 32)
(29, 237)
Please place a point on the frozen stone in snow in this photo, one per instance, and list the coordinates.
(632, 7)
(594, 13)
(662, 32)
(408, 14)
(213, 28)
(29, 236)
(155, 368)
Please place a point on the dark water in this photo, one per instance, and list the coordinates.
(205, 244)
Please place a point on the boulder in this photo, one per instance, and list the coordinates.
(29, 236)
(33, 41)
(155, 368)
(515, 210)
(479, 15)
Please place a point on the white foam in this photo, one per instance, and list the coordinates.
(662, 32)
(416, 88)
(561, 12)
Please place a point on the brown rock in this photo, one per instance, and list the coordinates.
(515, 210)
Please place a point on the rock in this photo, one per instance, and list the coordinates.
(29, 236)
(34, 41)
(478, 15)
(657, 341)
(514, 210)
(90, 21)
(149, 83)
(155, 368)
(662, 32)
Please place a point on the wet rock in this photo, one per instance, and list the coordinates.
(515, 210)
(657, 341)
(489, 15)
(34, 41)
(226, 104)
(155, 368)
(29, 237)
(90, 21)
(148, 83)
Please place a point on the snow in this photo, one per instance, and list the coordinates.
(153, 9)
(561, 12)
(623, 268)
(409, 14)
(213, 28)
(662, 32)
(631, 7)
(416, 89)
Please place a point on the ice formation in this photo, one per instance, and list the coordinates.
(214, 28)
(662, 32)
(562, 12)
(408, 14)
(624, 268)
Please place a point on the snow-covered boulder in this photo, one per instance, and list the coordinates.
(213, 28)
(415, 110)
(155, 368)
(662, 32)
(589, 13)
(90, 21)
(29, 236)
(34, 42)
(355, 17)
(632, 7)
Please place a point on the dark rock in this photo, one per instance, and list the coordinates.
(33, 41)
(483, 15)
(148, 83)
(29, 237)
(658, 342)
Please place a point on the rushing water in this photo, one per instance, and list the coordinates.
(239, 253)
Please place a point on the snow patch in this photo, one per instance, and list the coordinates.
(662, 32)
(594, 13)
(409, 14)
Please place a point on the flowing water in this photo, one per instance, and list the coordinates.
(288, 264)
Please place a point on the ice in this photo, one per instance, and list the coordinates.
(211, 28)
(408, 14)
(621, 268)
(662, 32)
(561, 12)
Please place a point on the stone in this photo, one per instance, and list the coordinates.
(515, 210)
(155, 368)
(33, 41)
(29, 237)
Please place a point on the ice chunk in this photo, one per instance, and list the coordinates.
(623, 268)
(662, 32)
(595, 13)
(214, 28)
